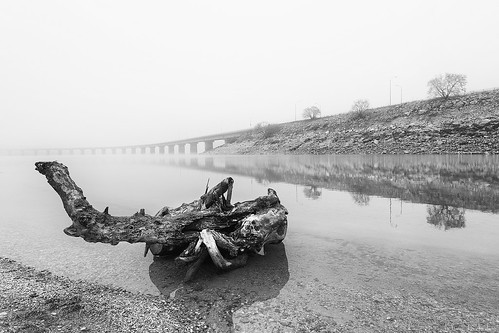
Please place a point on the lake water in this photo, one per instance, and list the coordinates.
(427, 224)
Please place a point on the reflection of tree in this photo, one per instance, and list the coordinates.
(443, 216)
(471, 182)
(361, 199)
(262, 181)
(312, 192)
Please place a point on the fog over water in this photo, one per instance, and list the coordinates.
(106, 73)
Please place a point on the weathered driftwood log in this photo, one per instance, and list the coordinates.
(203, 227)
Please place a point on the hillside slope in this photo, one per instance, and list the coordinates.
(463, 124)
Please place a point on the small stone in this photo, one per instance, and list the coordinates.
(284, 322)
(3, 314)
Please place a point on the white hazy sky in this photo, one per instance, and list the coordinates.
(81, 73)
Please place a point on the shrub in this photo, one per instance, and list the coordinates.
(270, 130)
(359, 109)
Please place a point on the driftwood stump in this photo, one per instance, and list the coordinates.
(210, 226)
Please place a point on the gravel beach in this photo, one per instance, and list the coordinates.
(38, 301)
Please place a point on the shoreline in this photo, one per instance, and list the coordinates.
(39, 301)
(467, 124)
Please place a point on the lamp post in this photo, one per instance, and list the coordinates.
(391, 88)
(400, 92)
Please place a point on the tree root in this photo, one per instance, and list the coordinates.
(196, 230)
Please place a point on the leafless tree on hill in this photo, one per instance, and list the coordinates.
(312, 112)
(447, 85)
(360, 105)
(359, 109)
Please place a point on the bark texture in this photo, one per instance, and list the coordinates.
(210, 224)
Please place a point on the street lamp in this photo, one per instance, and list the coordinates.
(391, 89)
(400, 92)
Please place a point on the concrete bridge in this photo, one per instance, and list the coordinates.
(191, 145)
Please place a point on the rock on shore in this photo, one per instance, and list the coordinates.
(467, 124)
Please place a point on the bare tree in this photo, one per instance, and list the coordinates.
(360, 105)
(359, 109)
(447, 85)
(312, 112)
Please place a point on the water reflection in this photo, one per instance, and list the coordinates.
(470, 182)
(333, 243)
(445, 217)
(215, 293)
(361, 199)
(312, 192)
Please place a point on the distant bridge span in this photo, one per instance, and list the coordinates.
(168, 147)
(208, 141)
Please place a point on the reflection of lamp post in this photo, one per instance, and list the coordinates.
(391, 89)
(390, 211)
(400, 92)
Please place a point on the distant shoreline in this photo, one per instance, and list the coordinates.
(467, 124)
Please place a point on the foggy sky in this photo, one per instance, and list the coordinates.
(102, 73)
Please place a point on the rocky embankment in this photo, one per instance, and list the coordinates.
(467, 124)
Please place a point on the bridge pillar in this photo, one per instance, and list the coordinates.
(181, 148)
(142, 150)
(171, 149)
(208, 145)
(194, 147)
(161, 149)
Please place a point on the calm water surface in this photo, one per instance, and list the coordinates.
(425, 221)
